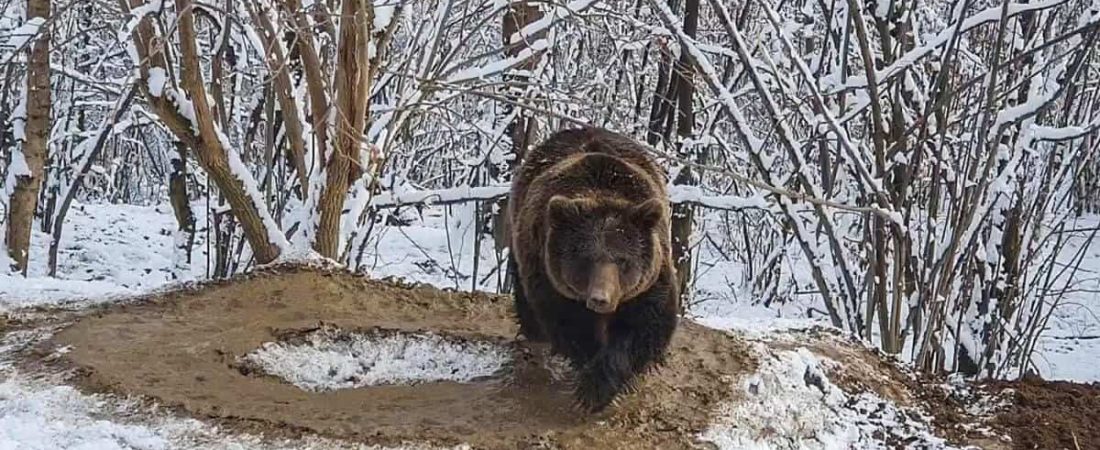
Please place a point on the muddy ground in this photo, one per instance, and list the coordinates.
(1026, 414)
(181, 349)
(1042, 414)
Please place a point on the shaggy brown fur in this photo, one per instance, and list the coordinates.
(592, 254)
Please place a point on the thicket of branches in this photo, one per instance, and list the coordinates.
(910, 163)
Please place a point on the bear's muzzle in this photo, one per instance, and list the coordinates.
(603, 287)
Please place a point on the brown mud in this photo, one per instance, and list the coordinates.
(1054, 415)
(181, 349)
(1026, 414)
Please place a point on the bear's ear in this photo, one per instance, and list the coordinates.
(564, 209)
(648, 213)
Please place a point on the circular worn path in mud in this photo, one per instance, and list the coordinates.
(181, 349)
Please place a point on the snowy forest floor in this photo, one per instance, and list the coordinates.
(113, 252)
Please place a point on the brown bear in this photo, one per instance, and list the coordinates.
(590, 229)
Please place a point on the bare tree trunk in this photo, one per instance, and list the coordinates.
(24, 199)
(657, 128)
(353, 84)
(223, 236)
(283, 87)
(521, 130)
(672, 104)
(317, 89)
(52, 173)
(683, 215)
(201, 133)
(181, 206)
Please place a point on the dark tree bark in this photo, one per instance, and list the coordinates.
(672, 105)
(521, 130)
(177, 195)
(683, 215)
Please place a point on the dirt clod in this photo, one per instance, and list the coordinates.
(181, 349)
(1051, 415)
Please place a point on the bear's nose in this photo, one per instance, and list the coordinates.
(600, 302)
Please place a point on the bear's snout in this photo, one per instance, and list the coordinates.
(601, 296)
(600, 302)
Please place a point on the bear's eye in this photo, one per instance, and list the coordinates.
(622, 261)
(575, 248)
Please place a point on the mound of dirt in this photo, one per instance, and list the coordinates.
(1049, 414)
(184, 349)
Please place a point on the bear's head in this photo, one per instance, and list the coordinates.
(603, 251)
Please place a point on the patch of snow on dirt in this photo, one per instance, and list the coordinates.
(41, 412)
(328, 360)
(791, 404)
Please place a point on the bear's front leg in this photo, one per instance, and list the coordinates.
(574, 332)
(529, 325)
(567, 324)
(638, 339)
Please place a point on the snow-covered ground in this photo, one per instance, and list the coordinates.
(108, 251)
(113, 251)
(1070, 346)
(792, 404)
